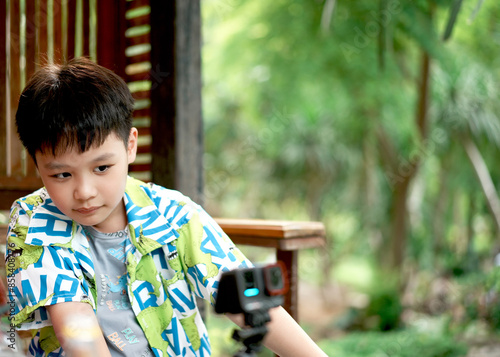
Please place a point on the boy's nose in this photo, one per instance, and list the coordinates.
(84, 191)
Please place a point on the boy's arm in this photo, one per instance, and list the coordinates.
(285, 337)
(58, 314)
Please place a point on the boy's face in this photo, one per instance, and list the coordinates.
(89, 187)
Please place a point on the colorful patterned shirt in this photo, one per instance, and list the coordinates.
(178, 252)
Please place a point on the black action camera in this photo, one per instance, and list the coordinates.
(252, 291)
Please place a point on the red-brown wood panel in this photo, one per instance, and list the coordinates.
(112, 25)
(146, 167)
(142, 95)
(137, 3)
(111, 30)
(142, 113)
(138, 40)
(31, 53)
(138, 21)
(15, 147)
(111, 44)
(144, 131)
(142, 57)
(139, 76)
(42, 32)
(144, 149)
(86, 28)
(164, 125)
(105, 33)
(71, 4)
(31, 46)
(57, 29)
(3, 90)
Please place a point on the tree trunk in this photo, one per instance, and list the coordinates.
(399, 216)
(398, 209)
(470, 258)
(439, 215)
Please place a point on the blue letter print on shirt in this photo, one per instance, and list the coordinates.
(145, 303)
(66, 294)
(28, 293)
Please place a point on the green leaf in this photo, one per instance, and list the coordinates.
(454, 10)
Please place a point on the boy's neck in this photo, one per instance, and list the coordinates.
(115, 222)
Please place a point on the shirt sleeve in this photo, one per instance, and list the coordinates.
(205, 250)
(39, 275)
(217, 246)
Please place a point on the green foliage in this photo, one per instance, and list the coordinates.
(387, 307)
(383, 309)
(301, 110)
(394, 344)
(493, 280)
(273, 76)
(492, 303)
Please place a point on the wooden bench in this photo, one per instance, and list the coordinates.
(287, 237)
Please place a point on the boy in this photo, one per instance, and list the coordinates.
(97, 242)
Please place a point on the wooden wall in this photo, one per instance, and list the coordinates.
(32, 34)
(154, 45)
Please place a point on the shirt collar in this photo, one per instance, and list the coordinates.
(148, 228)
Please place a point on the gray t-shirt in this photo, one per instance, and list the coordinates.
(123, 334)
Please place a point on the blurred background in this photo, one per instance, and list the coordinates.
(380, 119)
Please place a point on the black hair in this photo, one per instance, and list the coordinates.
(75, 105)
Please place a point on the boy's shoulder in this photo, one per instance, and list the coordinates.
(144, 194)
(35, 220)
(34, 199)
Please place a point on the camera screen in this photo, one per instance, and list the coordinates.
(250, 288)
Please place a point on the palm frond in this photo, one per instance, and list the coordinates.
(327, 14)
(476, 10)
(454, 10)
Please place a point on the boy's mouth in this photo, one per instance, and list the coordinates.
(87, 210)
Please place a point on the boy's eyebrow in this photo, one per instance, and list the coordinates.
(104, 157)
(59, 166)
(55, 166)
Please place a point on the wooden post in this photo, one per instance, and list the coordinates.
(3, 90)
(176, 121)
(287, 237)
(290, 259)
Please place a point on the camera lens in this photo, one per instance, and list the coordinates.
(249, 279)
(275, 278)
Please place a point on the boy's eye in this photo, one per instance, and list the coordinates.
(101, 168)
(62, 175)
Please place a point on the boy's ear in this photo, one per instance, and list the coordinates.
(132, 145)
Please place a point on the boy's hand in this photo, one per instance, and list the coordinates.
(59, 313)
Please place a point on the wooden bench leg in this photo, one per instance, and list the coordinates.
(290, 259)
